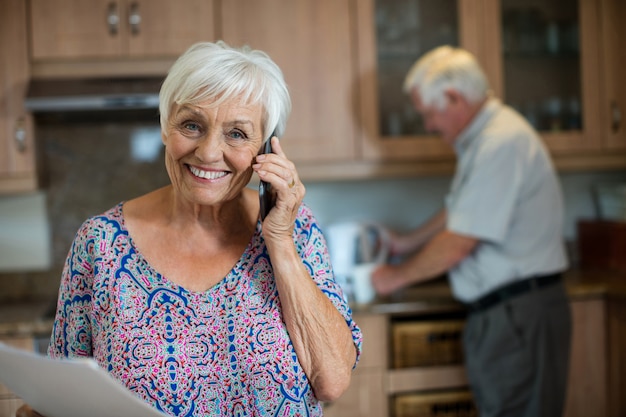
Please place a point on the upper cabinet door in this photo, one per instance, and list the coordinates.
(312, 44)
(96, 29)
(166, 27)
(551, 67)
(17, 145)
(393, 34)
(76, 29)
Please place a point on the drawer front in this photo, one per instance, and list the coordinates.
(427, 343)
(439, 404)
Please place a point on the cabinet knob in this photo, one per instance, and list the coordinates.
(134, 18)
(20, 135)
(113, 19)
(616, 117)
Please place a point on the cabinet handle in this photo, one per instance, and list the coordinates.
(616, 117)
(113, 19)
(134, 18)
(20, 135)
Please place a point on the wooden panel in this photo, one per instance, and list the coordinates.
(75, 29)
(365, 397)
(168, 28)
(311, 41)
(419, 379)
(613, 103)
(375, 330)
(617, 357)
(17, 165)
(587, 387)
(436, 404)
(491, 41)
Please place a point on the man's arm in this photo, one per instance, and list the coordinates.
(402, 244)
(443, 252)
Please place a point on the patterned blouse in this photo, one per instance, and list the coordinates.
(223, 352)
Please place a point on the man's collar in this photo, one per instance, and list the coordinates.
(476, 125)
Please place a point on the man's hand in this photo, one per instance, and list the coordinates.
(386, 279)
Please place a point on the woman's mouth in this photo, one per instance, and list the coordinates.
(209, 175)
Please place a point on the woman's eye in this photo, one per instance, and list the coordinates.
(237, 134)
(191, 126)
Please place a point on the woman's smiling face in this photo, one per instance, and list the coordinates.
(209, 150)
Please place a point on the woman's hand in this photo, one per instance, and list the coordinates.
(281, 173)
(26, 411)
(321, 338)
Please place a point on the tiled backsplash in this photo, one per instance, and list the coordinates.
(91, 167)
(87, 169)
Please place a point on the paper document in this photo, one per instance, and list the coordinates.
(68, 387)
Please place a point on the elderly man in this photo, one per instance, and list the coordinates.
(499, 239)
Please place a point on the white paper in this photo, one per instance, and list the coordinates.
(69, 387)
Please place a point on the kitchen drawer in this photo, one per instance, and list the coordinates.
(435, 404)
(427, 343)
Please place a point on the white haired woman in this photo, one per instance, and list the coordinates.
(184, 294)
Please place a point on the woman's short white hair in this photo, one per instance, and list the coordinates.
(446, 68)
(218, 72)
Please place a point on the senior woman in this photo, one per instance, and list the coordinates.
(183, 294)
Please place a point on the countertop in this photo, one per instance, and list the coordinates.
(34, 318)
(436, 296)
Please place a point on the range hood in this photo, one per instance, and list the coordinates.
(94, 94)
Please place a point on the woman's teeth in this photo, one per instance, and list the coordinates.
(209, 175)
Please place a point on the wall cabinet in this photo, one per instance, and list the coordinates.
(344, 62)
(75, 29)
(17, 145)
(556, 63)
(114, 37)
(312, 43)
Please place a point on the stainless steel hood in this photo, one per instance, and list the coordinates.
(96, 94)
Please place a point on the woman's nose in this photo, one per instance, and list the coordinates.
(210, 147)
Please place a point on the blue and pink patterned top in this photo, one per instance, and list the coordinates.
(223, 352)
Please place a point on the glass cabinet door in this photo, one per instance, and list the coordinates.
(406, 30)
(392, 35)
(541, 51)
(549, 69)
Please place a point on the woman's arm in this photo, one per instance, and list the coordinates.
(321, 337)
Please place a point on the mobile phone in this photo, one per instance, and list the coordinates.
(265, 188)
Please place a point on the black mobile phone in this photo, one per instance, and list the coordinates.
(265, 188)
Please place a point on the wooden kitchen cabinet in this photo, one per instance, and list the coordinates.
(95, 32)
(597, 380)
(366, 395)
(376, 382)
(312, 43)
(17, 145)
(558, 64)
(344, 62)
